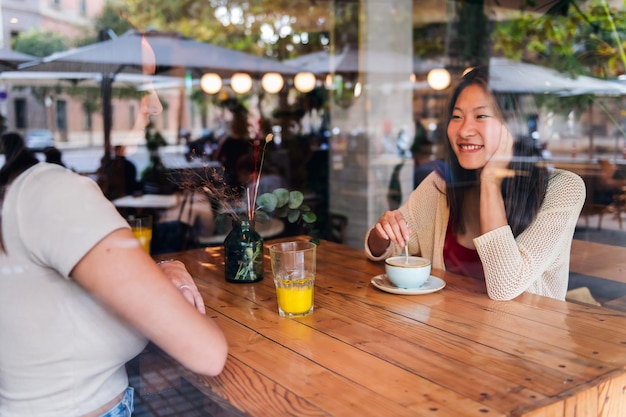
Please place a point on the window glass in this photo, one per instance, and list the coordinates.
(377, 76)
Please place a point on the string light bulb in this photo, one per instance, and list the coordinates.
(211, 83)
(272, 82)
(438, 78)
(241, 83)
(304, 82)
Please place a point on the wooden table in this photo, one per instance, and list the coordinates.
(364, 352)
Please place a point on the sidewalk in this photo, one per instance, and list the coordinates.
(79, 140)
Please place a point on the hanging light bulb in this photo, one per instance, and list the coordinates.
(241, 83)
(438, 78)
(211, 83)
(304, 81)
(272, 82)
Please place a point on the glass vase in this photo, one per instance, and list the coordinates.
(243, 253)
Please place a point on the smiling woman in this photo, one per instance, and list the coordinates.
(493, 211)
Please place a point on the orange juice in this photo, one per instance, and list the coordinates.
(144, 236)
(295, 297)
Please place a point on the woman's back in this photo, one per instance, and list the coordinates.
(56, 338)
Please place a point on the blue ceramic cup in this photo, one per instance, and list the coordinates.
(407, 271)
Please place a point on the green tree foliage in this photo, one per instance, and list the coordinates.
(114, 17)
(428, 41)
(40, 43)
(573, 39)
(585, 40)
(260, 27)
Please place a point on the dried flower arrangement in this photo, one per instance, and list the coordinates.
(255, 207)
(280, 202)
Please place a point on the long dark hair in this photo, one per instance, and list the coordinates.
(17, 159)
(523, 193)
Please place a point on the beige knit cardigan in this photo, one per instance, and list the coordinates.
(536, 261)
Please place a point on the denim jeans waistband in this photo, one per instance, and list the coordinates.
(125, 407)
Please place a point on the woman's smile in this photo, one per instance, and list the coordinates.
(468, 147)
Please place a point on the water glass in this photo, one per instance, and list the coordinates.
(142, 229)
(293, 266)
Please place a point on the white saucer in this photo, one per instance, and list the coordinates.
(432, 284)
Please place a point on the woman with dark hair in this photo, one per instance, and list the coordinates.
(79, 297)
(494, 211)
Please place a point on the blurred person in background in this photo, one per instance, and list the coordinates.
(232, 147)
(118, 178)
(53, 156)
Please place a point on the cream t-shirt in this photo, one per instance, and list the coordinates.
(61, 353)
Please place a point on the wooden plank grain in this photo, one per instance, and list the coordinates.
(603, 396)
(276, 341)
(565, 368)
(513, 327)
(612, 396)
(481, 384)
(256, 394)
(506, 354)
(366, 352)
(564, 346)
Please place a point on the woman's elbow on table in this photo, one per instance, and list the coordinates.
(497, 293)
(500, 297)
(208, 359)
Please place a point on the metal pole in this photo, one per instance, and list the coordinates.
(107, 117)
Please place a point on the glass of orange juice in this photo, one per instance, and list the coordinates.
(142, 229)
(293, 266)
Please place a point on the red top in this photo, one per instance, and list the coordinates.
(459, 259)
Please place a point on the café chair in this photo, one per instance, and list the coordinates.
(605, 194)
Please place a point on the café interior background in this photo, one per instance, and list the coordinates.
(373, 101)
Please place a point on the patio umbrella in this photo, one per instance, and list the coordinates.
(348, 62)
(90, 79)
(10, 59)
(151, 53)
(506, 76)
(510, 76)
(171, 51)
